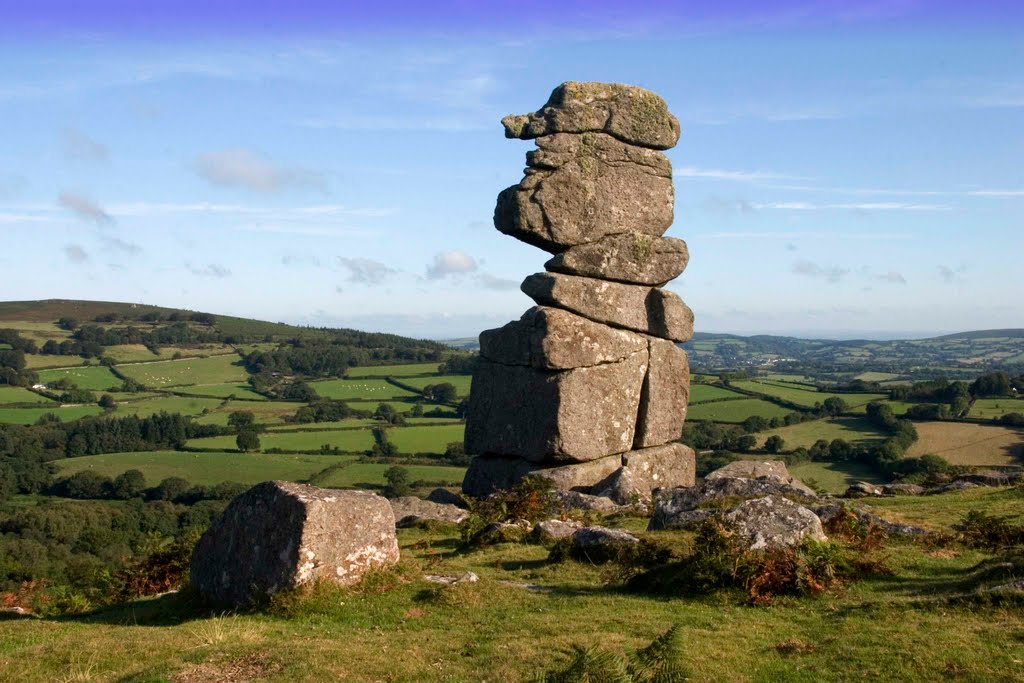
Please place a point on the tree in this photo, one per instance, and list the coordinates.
(247, 440)
(107, 402)
(169, 489)
(242, 420)
(834, 405)
(397, 479)
(746, 443)
(128, 485)
(445, 392)
(774, 444)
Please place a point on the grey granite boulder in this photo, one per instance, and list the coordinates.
(773, 522)
(653, 311)
(279, 535)
(554, 530)
(488, 473)
(571, 415)
(903, 489)
(632, 114)
(447, 497)
(554, 339)
(633, 258)
(829, 511)
(672, 506)
(574, 500)
(410, 510)
(863, 489)
(643, 471)
(591, 536)
(579, 188)
(665, 396)
(774, 470)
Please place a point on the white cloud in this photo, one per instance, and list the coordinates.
(212, 270)
(832, 274)
(453, 262)
(488, 281)
(893, 277)
(366, 271)
(864, 206)
(739, 176)
(249, 170)
(84, 207)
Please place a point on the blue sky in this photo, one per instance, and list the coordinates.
(841, 172)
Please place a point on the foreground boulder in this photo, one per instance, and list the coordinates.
(409, 510)
(279, 535)
(774, 522)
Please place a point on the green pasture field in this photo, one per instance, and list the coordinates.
(40, 331)
(852, 429)
(98, 378)
(246, 349)
(461, 382)
(176, 373)
(239, 391)
(787, 377)
(966, 443)
(807, 398)
(130, 353)
(359, 389)
(700, 393)
(834, 477)
(366, 475)
(137, 353)
(34, 361)
(352, 423)
(996, 407)
(184, 405)
(27, 416)
(410, 370)
(877, 376)
(735, 411)
(203, 468)
(936, 512)
(349, 440)
(425, 439)
(265, 412)
(9, 395)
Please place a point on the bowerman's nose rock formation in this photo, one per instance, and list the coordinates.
(589, 388)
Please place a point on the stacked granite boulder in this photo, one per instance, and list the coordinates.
(589, 388)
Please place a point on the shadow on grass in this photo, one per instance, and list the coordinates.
(167, 610)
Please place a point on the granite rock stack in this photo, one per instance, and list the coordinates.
(589, 388)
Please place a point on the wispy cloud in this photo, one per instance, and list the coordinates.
(385, 122)
(84, 207)
(862, 206)
(498, 284)
(738, 176)
(831, 274)
(212, 270)
(453, 262)
(250, 170)
(821, 234)
(366, 271)
(118, 244)
(951, 275)
(76, 254)
(80, 147)
(892, 277)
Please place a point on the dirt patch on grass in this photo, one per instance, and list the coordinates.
(241, 670)
(963, 443)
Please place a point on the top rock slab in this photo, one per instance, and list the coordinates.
(631, 114)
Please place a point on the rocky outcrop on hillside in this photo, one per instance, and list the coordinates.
(589, 388)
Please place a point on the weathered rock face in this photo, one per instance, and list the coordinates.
(579, 188)
(675, 507)
(665, 396)
(577, 415)
(773, 522)
(553, 339)
(773, 470)
(588, 387)
(633, 258)
(554, 530)
(279, 535)
(629, 113)
(656, 312)
(410, 509)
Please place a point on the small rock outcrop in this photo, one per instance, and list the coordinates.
(589, 389)
(409, 510)
(774, 522)
(279, 535)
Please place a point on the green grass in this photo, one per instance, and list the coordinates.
(130, 353)
(834, 477)
(965, 443)
(359, 389)
(877, 376)
(239, 391)
(996, 407)
(10, 395)
(461, 382)
(365, 475)
(265, 412)
(37, 361)
(700, 393)
(168, 404)
(175, 373)
(410, 370)
(349, 440)
(27, 416)
(937, 512)
(425, 439)
(735, 411)
(806, 398)
(351, 423)
(412, 631)
(852, 429)
(203, 468)
(97, 378)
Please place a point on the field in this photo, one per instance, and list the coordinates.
(203, 468)
(996, 407)
(735, 411)
(348, 440)
(168, 404)
(97, 378)
(795, 394)
(852, 429)
(963, 443)
(10, 395)
(359, 389)
(36, 361)
(265, 412)
(324, 426)
(877, 376)
(27, 416)
(701, 393)
(834, 477)
(411, 370)
(366, 475)
(175, 373)
(461, 382)
(239, 391)
(425, 439)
